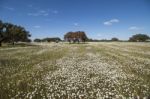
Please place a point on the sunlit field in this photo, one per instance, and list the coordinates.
(101, 70)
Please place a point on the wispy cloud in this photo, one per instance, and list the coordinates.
(114, 21)
(36, 26)
(107, 23)
(39, 13)
(48, 20)
(99, 35)
(135, 28)
(54, 11)
(8, 8)
(111, 22)
(30, 5)
(76, 24)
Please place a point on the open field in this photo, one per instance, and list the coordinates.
(76, 71)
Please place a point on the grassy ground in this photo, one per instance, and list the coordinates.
(71, 71)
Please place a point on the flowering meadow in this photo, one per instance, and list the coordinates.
(102, 70)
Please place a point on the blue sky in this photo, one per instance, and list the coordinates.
(100, 19)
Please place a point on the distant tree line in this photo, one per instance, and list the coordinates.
(103, 40)
(10, 33)
(54, 39)
(80, 36)
(134, 38)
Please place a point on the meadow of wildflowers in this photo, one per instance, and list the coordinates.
(104, 70)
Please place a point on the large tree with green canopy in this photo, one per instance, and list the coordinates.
(11, 33)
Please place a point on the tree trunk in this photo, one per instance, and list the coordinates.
(0, 43)
(13, 43)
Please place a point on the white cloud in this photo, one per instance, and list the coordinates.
(32, 14)
(111, 22)
(48, 20)
(39, 13)
(107, 23)
(55, 11)
(8, 8)
(36, 26)
(42, 11)
(114, 21)
(30, 5)
(99, 35)
(76, 24)
(135, 28)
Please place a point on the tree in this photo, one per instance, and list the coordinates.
(114, 39)
(54, 39)
(12, 33)
(76, 36)
(139, 38)
(37, 40)
(1, 30)
(2, 34)
(16, 33)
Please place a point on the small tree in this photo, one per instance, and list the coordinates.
(54, 39)
(139, 38)
(114, 39)
(37, 40)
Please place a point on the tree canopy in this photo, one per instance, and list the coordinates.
(73, 36)
(139, 38)
(37, 40)
(114, 39)
(13, 33)
(54, 39)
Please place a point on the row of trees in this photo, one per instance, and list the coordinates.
(104, 40)
(11, 33)
(134, 38)
(81, 36)
(54, 39)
